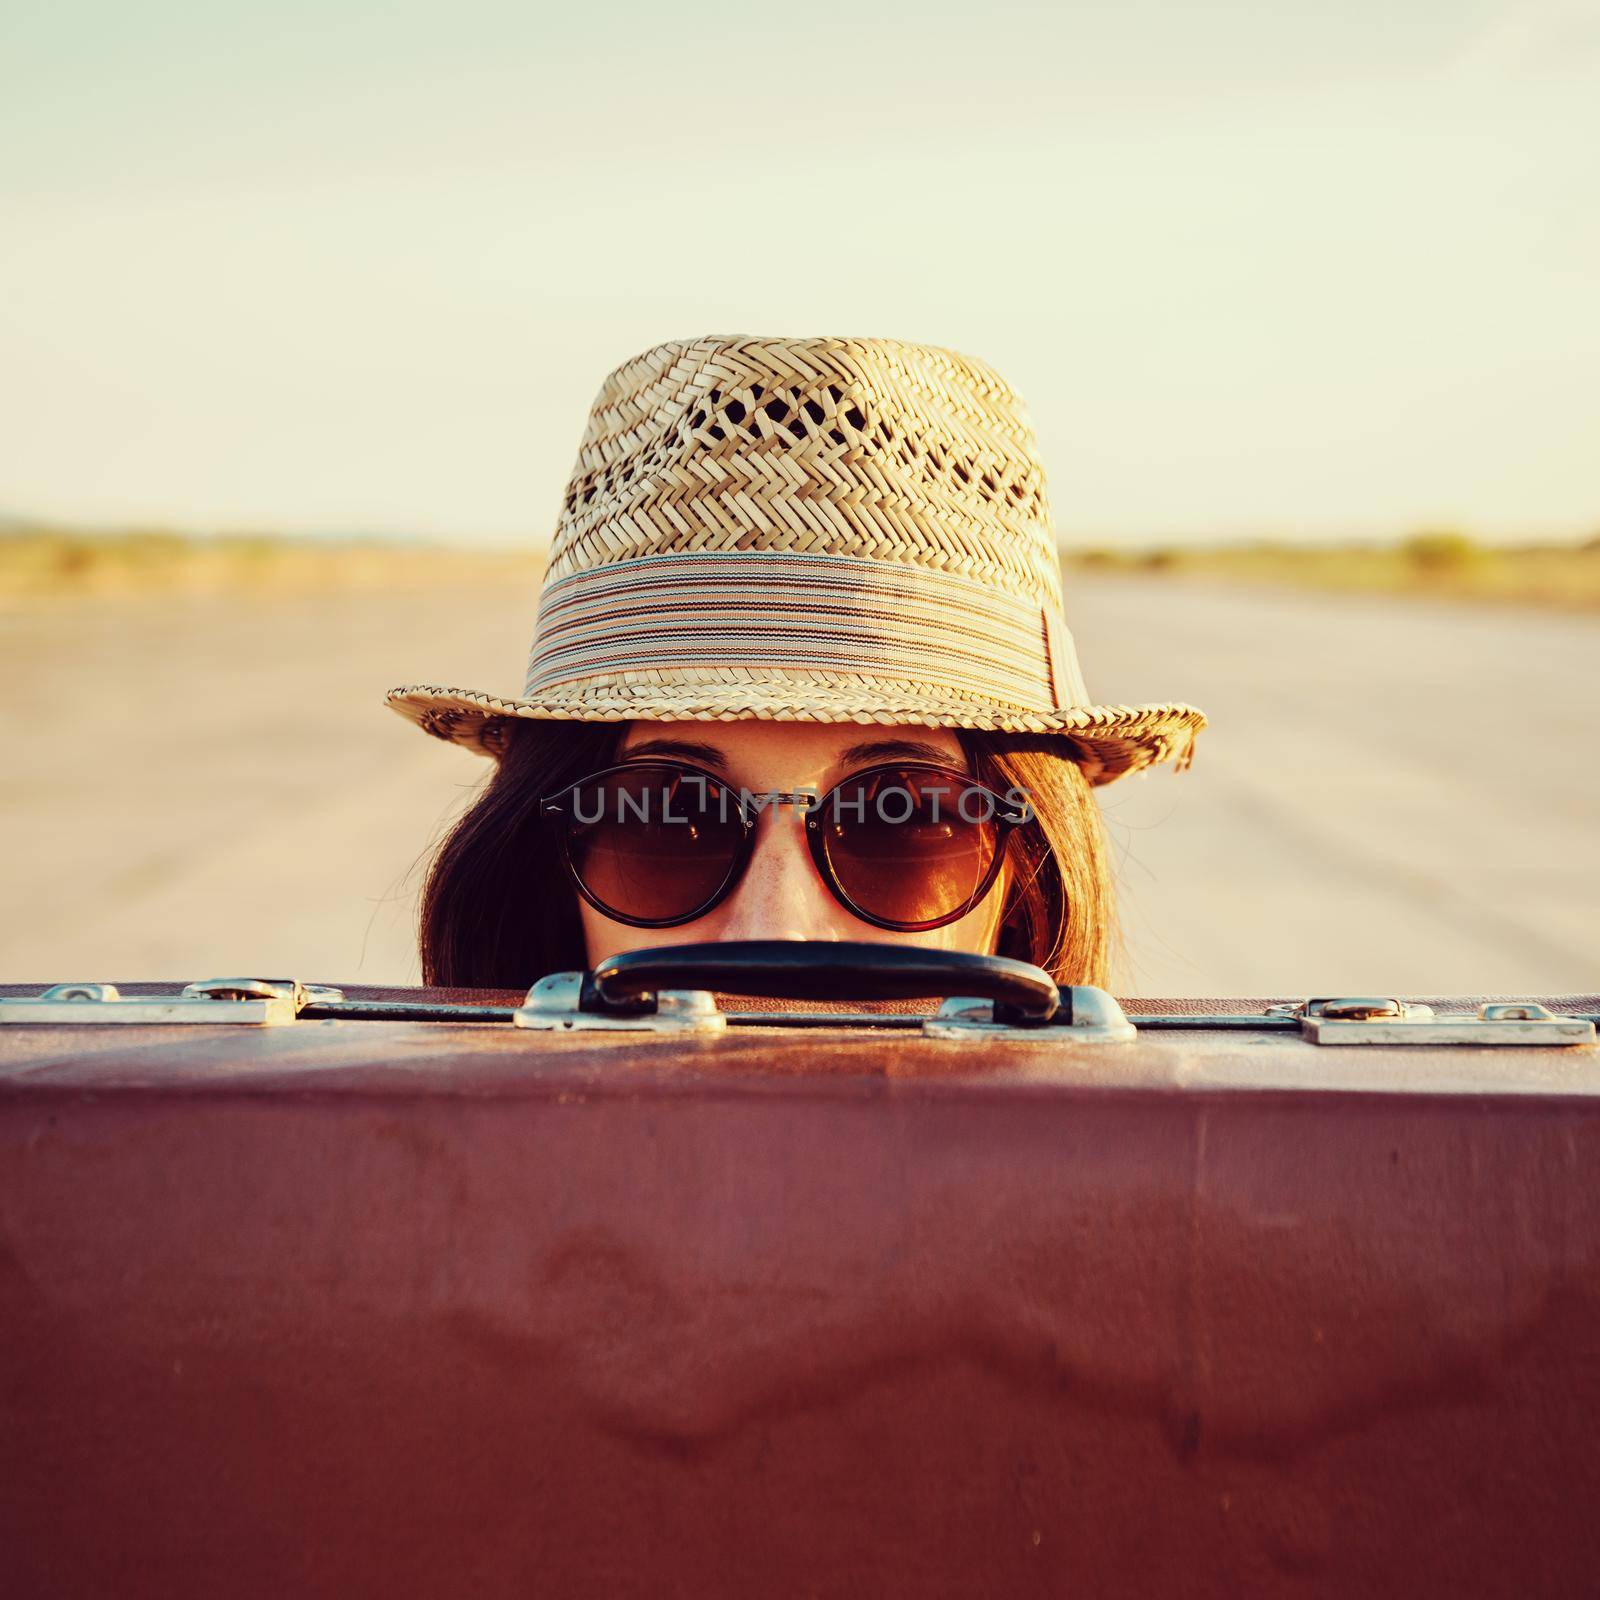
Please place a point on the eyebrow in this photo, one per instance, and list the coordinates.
(707, 755)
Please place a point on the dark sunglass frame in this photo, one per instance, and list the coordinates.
(557, 808)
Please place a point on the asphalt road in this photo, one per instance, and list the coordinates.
(1393, 795)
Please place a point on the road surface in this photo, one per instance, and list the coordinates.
(1393, 796)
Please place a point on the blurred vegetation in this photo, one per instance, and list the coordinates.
(1433, 562)
(40, 563)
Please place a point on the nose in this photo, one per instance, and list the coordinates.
(780, 896)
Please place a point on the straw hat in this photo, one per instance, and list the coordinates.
(817, 530)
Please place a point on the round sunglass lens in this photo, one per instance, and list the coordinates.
(653, 843)
(909, 847)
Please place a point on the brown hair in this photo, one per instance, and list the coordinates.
(497, 911)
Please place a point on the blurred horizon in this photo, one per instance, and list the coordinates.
(1306, 273)
(44, 565)
(535, 543)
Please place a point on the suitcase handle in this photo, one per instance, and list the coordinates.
(822, 969)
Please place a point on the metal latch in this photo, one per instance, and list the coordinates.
(1086, 1015)
(1370, 1020)
(561, 1002)
(260, 1002)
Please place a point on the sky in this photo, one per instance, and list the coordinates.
(1298, 270)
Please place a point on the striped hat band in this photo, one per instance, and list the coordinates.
(826, 614)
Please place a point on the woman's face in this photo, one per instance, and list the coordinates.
(781, 895)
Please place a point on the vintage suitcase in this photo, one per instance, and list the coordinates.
(384, 1301)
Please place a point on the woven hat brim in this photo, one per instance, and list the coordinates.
(1107, 742)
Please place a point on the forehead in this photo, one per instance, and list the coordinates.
(792, 751)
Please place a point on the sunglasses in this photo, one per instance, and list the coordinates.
(907, 846)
